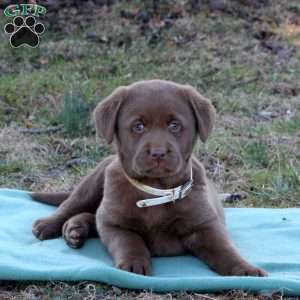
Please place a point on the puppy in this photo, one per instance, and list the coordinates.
(152, 198)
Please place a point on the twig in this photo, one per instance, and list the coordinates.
(241, 82)
(204, 296)
(41, 130)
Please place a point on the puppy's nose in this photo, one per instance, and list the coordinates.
(157, 153)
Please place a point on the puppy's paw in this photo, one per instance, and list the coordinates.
(75, 233)
(135, 265)
(245, 269)
(47, 228)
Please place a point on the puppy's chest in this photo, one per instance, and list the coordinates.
(150, 219)
(121, 204)
(156, 218)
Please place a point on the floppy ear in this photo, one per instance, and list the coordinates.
(204, 112)
(106, 114)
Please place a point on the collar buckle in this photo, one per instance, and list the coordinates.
(185, 189)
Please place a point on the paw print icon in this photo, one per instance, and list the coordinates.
(24, 31)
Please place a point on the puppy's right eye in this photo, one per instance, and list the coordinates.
(138, 127)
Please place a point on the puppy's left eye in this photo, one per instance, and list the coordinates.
(138, 127)
(174, 126)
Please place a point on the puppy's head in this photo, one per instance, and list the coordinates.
(154, 124)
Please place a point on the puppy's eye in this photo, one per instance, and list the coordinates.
(174, 126)
(138, 127)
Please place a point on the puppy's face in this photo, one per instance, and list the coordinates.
(155, 124)
(155, 132)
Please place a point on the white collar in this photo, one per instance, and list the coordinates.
(167, 195)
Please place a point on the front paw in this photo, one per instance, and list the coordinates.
(75, 233)
(47, 228)
(245, 269)
(135, 265)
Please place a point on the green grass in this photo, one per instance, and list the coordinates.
(11, 167)
(223, 60)
(75, 113)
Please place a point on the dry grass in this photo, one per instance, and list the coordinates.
(92, 291)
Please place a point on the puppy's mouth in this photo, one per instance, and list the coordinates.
(157, 170)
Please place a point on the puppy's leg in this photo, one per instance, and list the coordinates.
(85, 198)
(78, 228)
(127, 248)
(212, 244)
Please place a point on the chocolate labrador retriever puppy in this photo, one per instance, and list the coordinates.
(152, 198)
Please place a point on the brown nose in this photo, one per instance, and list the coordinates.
(157, 153)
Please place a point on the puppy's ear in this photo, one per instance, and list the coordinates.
(204, 112)
(106, 114)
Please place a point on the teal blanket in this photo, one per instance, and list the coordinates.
(269, 238)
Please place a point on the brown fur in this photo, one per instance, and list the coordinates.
(154, 125)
